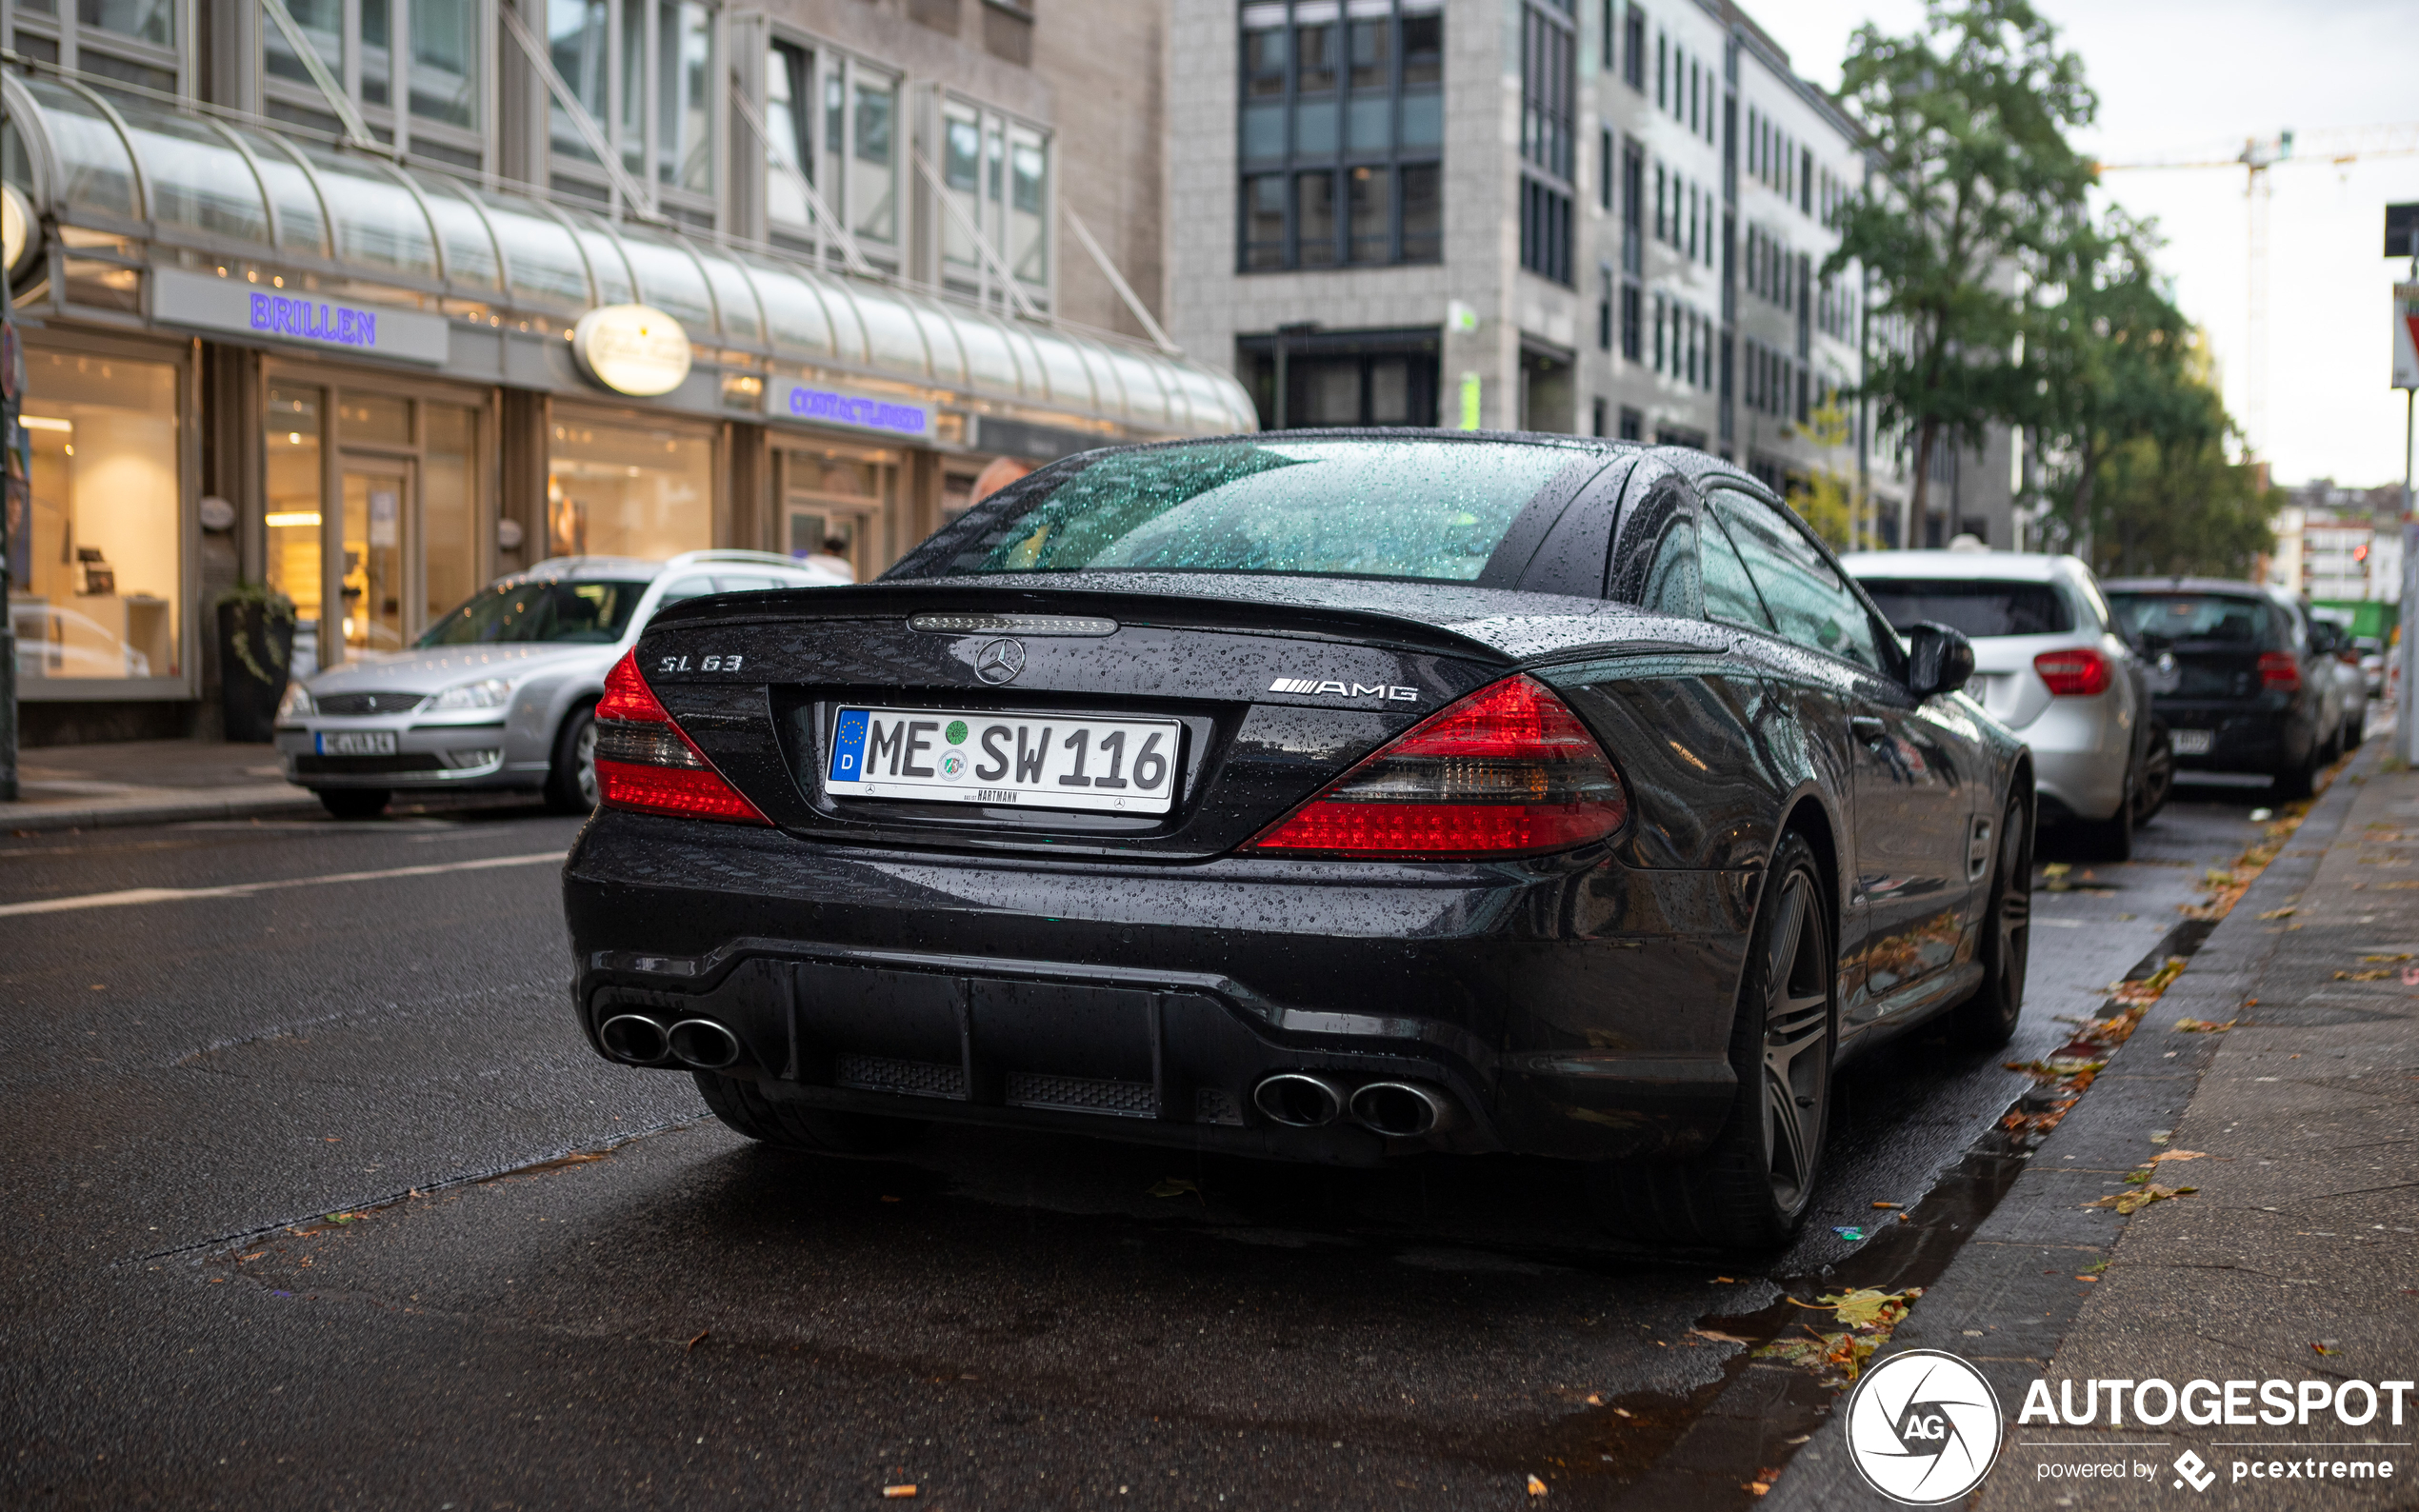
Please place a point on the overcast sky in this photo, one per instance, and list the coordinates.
(2193, 80)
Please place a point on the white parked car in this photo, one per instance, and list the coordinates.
(499, 692)
(2050, 665)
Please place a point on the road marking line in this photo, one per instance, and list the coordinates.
(134, 897)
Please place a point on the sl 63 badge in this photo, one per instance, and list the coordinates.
(710, 663)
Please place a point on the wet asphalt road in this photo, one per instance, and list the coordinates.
(573, 1289)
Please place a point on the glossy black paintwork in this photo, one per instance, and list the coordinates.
(1576, 1004)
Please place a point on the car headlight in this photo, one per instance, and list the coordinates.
(487, 692)
(296, 703)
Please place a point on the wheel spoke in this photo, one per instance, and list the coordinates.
(1789, 1131)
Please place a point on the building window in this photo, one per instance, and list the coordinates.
(1340, 126)
(133, 41)
(1633, 424)
(645, 72)
(621, 484)
(1545, 230)
(1603, 309)
(1632, 300)
(96, 580)
(1634, 174)
(426, 54)
(996, 173)
(1607, 167)
(1633, 50)
(1341, 378)
(1599, 414)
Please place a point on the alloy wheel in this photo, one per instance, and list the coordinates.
(2158, 777)
(1797, 1043)
(584, 758)
(2015, 922)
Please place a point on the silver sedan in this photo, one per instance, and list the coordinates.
(498, 693)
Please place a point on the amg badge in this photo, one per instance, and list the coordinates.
(1313, 686)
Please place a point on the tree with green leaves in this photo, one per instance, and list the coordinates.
(2130, 429)
(1977, 206)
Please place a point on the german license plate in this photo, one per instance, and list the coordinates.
(357, 742)
(1033, 761)
(2189, 742)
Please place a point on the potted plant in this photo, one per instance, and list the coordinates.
(255, 651)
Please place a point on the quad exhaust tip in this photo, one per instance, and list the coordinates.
(704, 1044)
(1401, 1109)
(635, 1039)
(1299, 1100)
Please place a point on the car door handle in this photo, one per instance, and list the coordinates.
(1866, 727)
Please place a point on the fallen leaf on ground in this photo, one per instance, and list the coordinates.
(2177, 1155)
(2403, 956)
(1536, 1487)
(2128, 1203)
(1174, 1187)
(2322, 1350)
(2205, 1026)
(1595, 1401)
(2278, 913)
(1868, 1305)
(2376, 974)
(699, 1340)
(1623, 1412)
(1719, 1337)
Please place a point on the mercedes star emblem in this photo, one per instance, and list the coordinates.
(999, 660)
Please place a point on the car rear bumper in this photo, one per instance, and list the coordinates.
(2081, 753)
(2240, 739)
(1562, 1008)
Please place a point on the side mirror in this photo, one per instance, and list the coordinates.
(1939, 660)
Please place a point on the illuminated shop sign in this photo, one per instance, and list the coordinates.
(246, 308)
(815, 404)
(634, 350)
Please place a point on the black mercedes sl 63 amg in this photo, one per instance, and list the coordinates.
(1324, 795)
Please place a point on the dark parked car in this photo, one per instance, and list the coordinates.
(2237, 675)
(1331, 796)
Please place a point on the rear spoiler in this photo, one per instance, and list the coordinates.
(898, 601)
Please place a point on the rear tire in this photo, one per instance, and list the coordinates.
(2298, 782)
(1753, 1187)
(1987, 1021)
(354, 803)
(787, 1126)
(2157, 783)
(571, 777)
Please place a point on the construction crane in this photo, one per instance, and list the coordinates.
(2339, 145)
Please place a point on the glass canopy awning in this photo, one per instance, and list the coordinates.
(186, 183)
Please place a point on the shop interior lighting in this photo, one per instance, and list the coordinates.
(46, 423)
(287, 517)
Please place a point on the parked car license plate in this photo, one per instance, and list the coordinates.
(2189, 742)
(1033, 760)
(357, 742)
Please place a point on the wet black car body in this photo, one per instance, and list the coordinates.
(2236, 675)
(854, 960)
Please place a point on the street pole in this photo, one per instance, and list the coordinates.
(16, 511)
(2407, 654)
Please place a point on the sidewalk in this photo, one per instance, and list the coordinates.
(2296, 1259)
(149, 782)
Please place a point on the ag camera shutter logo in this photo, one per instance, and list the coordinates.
(1922, 1427)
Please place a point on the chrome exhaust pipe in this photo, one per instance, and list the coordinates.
(704, 1044)
(1401, 1110)
(1298, 1100)
(635, 1039)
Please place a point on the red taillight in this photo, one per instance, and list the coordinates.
(2078, 673)
(2279, 673)
(645, 762)
(1508, 770)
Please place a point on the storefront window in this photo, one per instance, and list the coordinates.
(449, 512)
(96, 575)
(290, 440)
(618, 486)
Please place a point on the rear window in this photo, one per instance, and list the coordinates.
(1977, 606)
(1356, 509)
(2166, 617)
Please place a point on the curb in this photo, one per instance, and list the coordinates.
(2008, 1298)
(251, 804)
